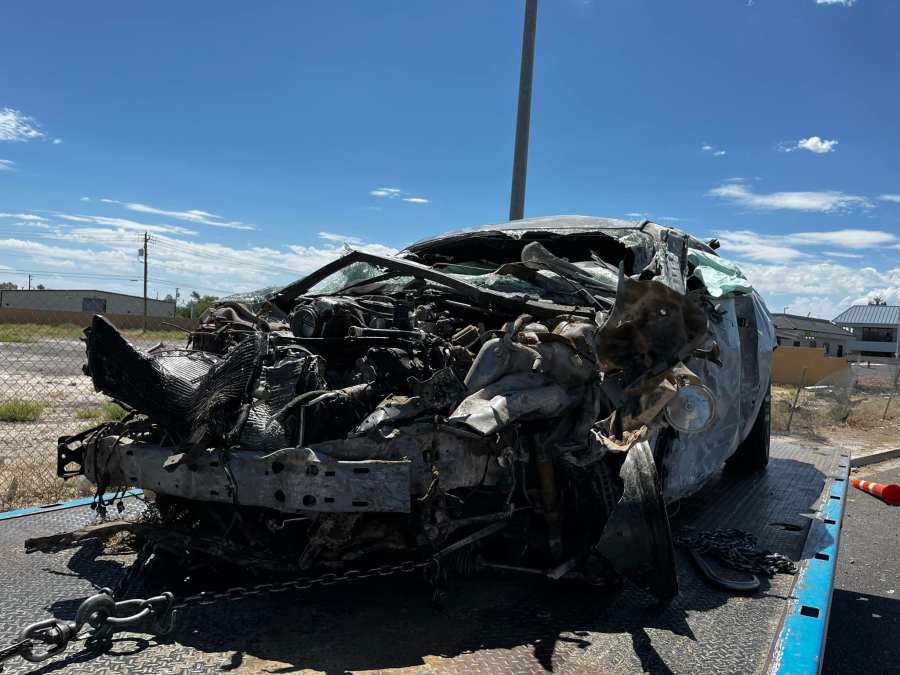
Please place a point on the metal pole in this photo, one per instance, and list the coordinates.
(897, 345)
(523, 118)
(146, 238)
(796, 398)
(893, 391)
(29, 282)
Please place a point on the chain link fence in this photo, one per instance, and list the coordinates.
(43, 392)
(864, 398)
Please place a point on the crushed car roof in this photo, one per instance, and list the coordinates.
(550, 223)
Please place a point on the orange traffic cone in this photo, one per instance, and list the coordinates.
(889, 494)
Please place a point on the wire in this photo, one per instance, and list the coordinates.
(188, 249)
(117, 277)
(127, 277)
(162, 243)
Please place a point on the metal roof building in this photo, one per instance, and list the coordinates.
(90, 301)
(805, 331)
(876, 329)
(869, 315)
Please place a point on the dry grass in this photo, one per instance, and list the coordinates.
(852, 420)
(106, 413)
(32, 332)
(113, 411)
(8, 333)
(89, 413)
(21, 410)
(19, 494)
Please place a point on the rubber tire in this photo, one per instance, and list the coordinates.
(753, 452)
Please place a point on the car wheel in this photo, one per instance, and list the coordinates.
(753, 452)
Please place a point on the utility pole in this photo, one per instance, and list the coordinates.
(175, 309)
(29, 282)
(146, 239)
(523, 118)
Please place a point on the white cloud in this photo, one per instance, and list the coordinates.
(109, 245)
(714, 150)
(29, 217)
(397, 193)
(890, 198)
(57, 141)
(85, 199)
(845, 3)
(386, 192)
(779, 248)
(822, 202)
(16, 127)
(111, 260)
(817, 145)
(822, 288)
(788, 270)
(192, 216)
(820, 146)
(125, 224)
(343, 238)
(758, 247)
(848, 238)
(839, 254)
(7, 165)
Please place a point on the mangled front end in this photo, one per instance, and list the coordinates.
(525, 404)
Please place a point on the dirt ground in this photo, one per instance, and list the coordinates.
(849, 417)
(47, 370)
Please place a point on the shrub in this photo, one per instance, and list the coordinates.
(21, 410)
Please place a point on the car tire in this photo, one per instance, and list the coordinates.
(753, 452)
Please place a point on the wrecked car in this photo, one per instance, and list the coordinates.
(540, 389)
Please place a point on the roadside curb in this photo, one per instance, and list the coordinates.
(874, 458)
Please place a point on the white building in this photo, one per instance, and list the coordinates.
(876, 329)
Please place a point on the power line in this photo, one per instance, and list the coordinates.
(166, 244)
(226, 257)
(185, 248)
(113, 277)
(53, 273)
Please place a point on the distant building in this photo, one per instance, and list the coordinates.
(805, 331)
(876, 329)
(89, 302)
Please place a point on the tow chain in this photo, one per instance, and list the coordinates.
(100, 616)
(739, 550)
(302, 584)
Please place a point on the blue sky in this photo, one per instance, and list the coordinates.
(253, 140)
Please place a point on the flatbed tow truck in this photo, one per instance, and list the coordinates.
(490, 622)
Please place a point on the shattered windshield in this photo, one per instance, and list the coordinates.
(360, 275)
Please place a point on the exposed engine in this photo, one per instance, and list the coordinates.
(510, 390)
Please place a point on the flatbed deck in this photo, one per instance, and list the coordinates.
(490, 622)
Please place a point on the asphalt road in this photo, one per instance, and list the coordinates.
(49, 357)
(864, 628)
(43, 358)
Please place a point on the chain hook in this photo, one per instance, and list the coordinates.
(51, 632)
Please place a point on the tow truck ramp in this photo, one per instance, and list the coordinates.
(490, 622)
